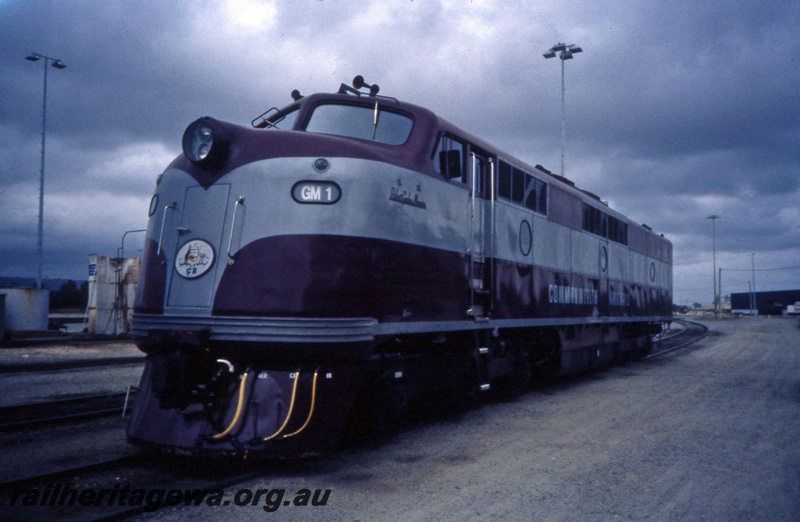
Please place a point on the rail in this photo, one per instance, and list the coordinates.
(25, 416)
(692, 333)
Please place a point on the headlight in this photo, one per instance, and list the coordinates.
(198, 141)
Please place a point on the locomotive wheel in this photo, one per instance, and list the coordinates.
(520, 378)
(523, 374)
(471, 383)
(545, 357)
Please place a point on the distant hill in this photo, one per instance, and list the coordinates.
(30, 282)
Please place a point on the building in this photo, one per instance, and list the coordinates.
(775, 302)
(112, 288)
(23, 310)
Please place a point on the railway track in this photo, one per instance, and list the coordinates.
(64, 410)
(73, 364)
(691, 333)
(93, 406)
(120, 487)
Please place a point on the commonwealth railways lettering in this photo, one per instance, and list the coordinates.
(559, 294)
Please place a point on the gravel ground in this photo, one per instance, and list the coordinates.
(28, 388)
(40, 353)
(32, 452)
(23, 387)
(706, 433)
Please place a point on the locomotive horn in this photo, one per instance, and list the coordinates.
(358, 83)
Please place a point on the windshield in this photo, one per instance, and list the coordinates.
(359, 121)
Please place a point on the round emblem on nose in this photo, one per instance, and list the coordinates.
(194, 258)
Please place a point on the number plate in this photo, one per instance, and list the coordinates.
(316, 192)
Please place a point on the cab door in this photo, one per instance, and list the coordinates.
(198, 248)
(481, 234)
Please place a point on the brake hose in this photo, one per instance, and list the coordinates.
(239, 408)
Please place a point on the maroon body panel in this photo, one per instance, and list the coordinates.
(333, 276)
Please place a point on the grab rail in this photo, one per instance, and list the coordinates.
(239, 202)
(164, 222)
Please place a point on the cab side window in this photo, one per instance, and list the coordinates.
(448, 158)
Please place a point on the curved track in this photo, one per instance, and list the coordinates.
(692, 333)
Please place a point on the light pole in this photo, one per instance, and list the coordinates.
(565, 52)
(58, 64)
(714, 218)
(753, 277)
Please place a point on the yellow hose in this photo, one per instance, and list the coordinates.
(239, 409)
(310, 411)
(289, 413)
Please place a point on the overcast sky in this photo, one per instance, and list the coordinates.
(675, 110)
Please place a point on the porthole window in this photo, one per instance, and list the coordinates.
(525, 237)
(153, 205)
(652, 272)
(603, 258)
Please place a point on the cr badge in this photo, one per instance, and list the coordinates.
(194, 258)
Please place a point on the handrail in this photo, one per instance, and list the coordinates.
(164, 222)
(239, 201)
(493, 233)
(472, 232)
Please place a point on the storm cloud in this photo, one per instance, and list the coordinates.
(674, 111)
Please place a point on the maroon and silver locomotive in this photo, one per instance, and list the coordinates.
(350, 252)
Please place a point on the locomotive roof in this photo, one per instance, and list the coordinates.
(417, 152)
(428, 126)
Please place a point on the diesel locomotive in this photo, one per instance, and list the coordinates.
(350, 252)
